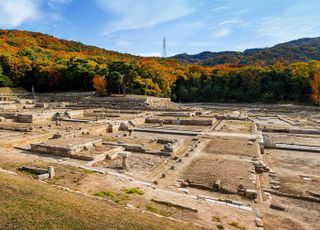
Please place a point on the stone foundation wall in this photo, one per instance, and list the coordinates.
(62, 150)
(196, 122)
(89, 100)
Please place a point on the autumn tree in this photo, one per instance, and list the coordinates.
(315, 86)
(100, 84)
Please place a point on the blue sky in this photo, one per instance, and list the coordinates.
(191, 26)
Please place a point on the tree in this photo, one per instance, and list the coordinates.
(100, 84)
(116, 80)
(315, 86)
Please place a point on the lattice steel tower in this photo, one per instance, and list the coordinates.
(164, 47)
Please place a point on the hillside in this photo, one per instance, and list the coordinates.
(300, 50)
(26, 203)
(284, 72)
(50, 64)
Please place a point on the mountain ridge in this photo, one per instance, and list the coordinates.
(299, 50)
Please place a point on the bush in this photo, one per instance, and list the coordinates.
(134, 191)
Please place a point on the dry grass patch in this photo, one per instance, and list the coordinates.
(25, 203)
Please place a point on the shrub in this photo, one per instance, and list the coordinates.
(134, 191)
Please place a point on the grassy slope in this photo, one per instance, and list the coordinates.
(28, 204)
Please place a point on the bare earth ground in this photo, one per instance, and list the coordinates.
(207, 169)
(231, 146)
(237, 126)
(290, 166)
(296, 139)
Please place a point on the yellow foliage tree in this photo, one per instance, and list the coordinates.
(100, 84)
(315, 86)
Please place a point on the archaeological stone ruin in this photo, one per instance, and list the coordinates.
(248, 163)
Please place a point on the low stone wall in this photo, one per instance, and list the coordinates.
(178, 114)
(7, 115)
(295, 196)
(127, 146)
(31, 118)
(167, 203)
(59, 97)
(48, 148)
(294, 131)
(195, 122)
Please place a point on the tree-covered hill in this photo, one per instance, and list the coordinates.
(50, 64)
(300, 50)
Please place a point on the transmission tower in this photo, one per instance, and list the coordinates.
(164, 47)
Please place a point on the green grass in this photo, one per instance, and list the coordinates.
(115, 197)
(134, 191)
(151, 208)
(104, 194)
(236, 225)
(29, 204)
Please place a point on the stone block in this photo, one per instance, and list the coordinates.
(278, 207)
(44, 176)
(259, 222)
(251, 194)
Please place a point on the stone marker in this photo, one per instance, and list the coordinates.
(51, 172)
(217, 184)
(124, 156)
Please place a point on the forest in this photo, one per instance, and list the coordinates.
(51, 65)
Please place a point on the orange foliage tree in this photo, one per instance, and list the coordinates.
(315, 86)
(100, 84)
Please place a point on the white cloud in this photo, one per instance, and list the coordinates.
(222, 8)
(13, 13)
(232, 22)
(55, 4)
(222, 32)
(132, 14)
